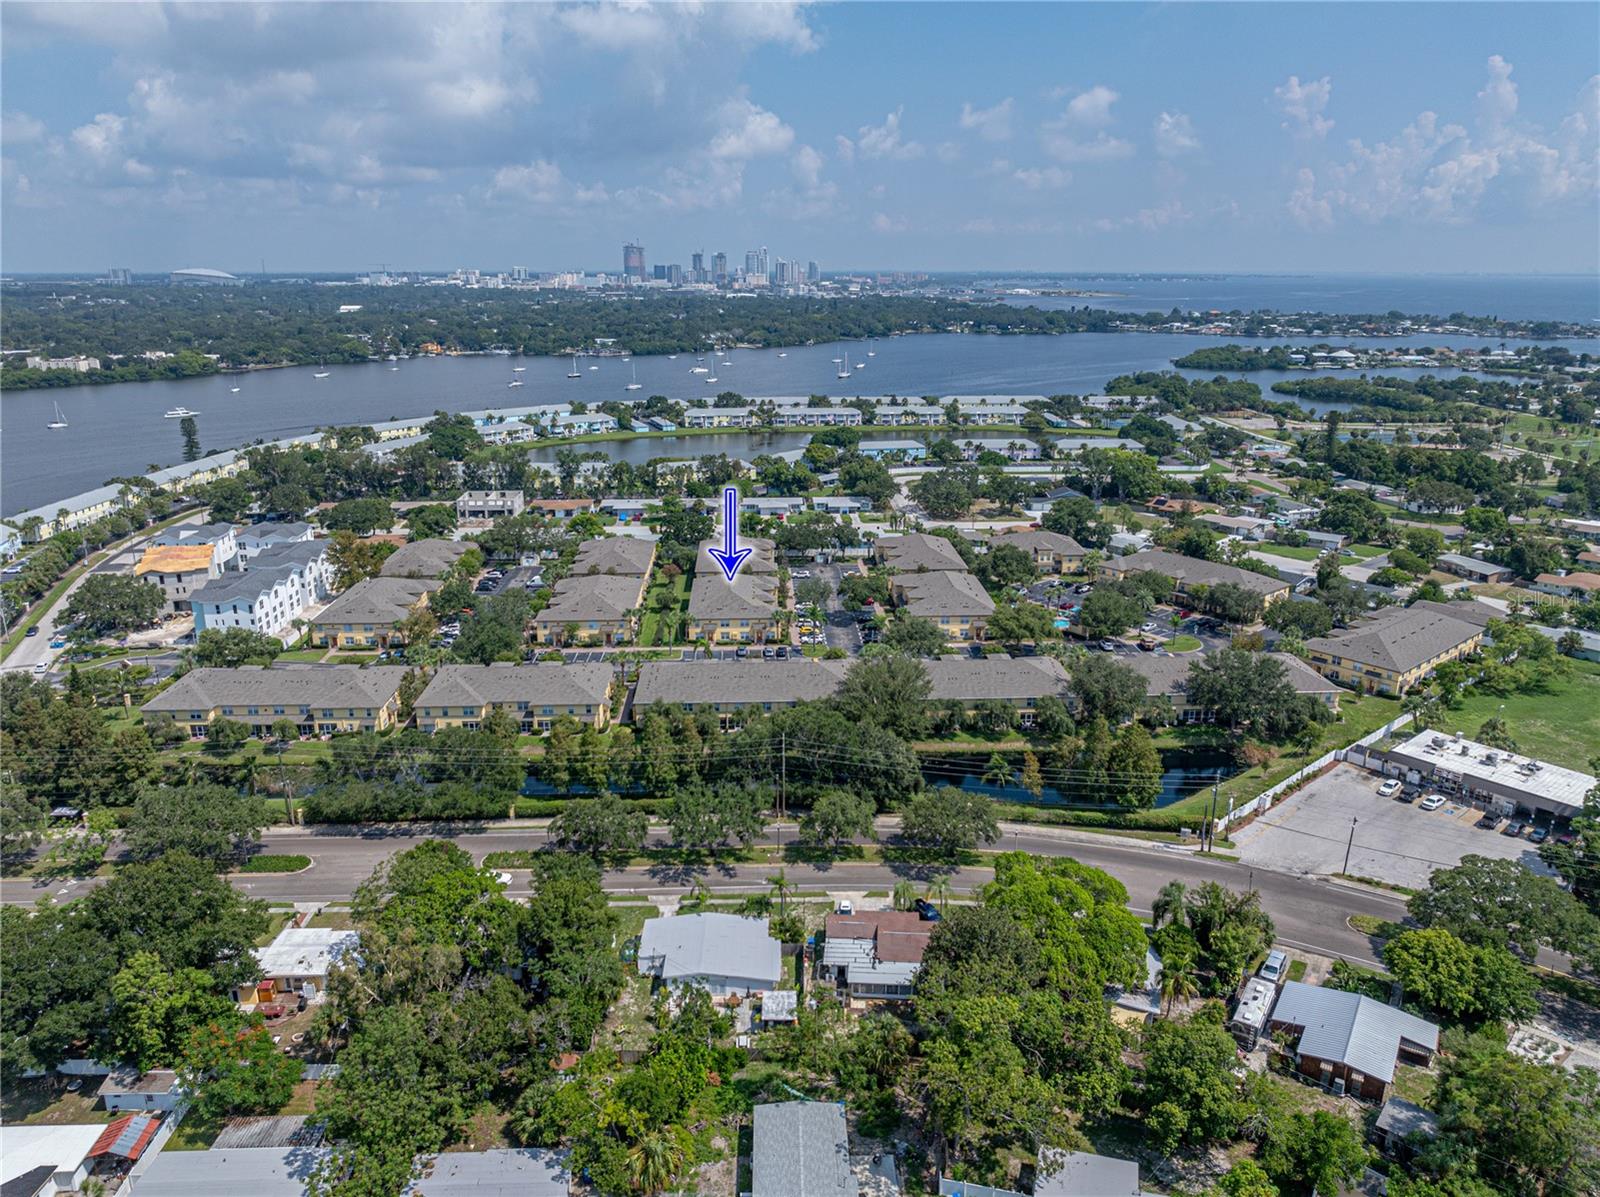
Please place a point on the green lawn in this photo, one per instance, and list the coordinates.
(1295, 552)
(307, 655)
(664, 627)
(1561, 725)
(1183, 644)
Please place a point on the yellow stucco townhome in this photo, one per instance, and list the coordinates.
(1188, 572)
(534, 695)
(732, 690)
(365, 615)
(954, 601)
(320, 699)
(591, 609)
(737, 612)
(1394, 650)
(1052, 552)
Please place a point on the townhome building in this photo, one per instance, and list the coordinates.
(1168, 677)
(431, 558)
(367, 615)
(1051, 552)
(180, 570)
(1190, 573)
(591, 609)
(488, 504)
(732, 690)
(320, 699)
(279, 585)
(627, 556)
(533, 695)
(1394, 650)
(952, 600)
(1019, 682)
(743, 611)
(253, 538)
(917, 551)
(1015, 448)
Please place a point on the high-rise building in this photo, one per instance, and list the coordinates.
(633, 262)
(697, 266)
(752, 263)
(813, 272)
(659, 272)
(719, 268)
(761, 263)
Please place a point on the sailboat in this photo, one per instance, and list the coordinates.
(575, 372)
(842, 374)
(233, 390)
(635, 384)
(838, 361)
(871, 352)
(594, 367)
(782, 354)
(321, 373)
(711, 378)
(515, 382)
(60, 421)
(518, 369)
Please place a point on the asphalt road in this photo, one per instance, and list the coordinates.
(1310, 914)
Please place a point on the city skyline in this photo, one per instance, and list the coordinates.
(1060, 138)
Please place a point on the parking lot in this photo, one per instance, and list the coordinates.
(1395, 842)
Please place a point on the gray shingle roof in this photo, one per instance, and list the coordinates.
(748, 596)
(546, 684)
(1351, 1028)
(687, 946)
(1476, 613)
(940, 594)
(600, 597)
(918, 550)
(762, 559)
(614, 555)
(1041, 540)
(1170, 675)
(801, 1149)
(342, 686)
(1009, 678)
(735, 683)
(376, 600)
(425, 558)
(1191, 571)
(1398, 639)
(1400, 1118)
(242, 588)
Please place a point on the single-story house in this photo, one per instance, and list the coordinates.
(1085, 1174)
(1472, 568)
(296, 964)
(561, 509)
(721, 953)
(874, 955)
(46, 1160)
(1349, 1043)
(801, 1149)
(502, 1172)
(1575, 585)
(127, 1089)
(258, 1171)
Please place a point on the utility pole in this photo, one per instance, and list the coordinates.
(783, 777)
(1210, 836)
(1349, 845)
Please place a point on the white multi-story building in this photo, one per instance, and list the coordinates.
(278, 584)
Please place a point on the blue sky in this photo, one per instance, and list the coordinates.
(1276, 137)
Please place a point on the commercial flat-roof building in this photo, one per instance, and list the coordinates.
(801, 1149)
(1394, 650)
(721, 953)
(320, 699)
(1492, 777)
(535, 696)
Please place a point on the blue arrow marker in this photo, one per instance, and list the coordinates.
(730, 556)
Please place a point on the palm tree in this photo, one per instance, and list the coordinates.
(782, 888)
(1176, 981)
(1168, 906)
(1424, 708)
(939, 891)
(655, 1160)
(905, 895)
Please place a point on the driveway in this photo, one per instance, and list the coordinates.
(1395, 842)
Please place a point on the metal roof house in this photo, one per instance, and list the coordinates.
(721, 953)
(875, 955)
(516, 1172)
(46, 1159)
(1347, 1041)
(258, 1171)
(1085, 1174)
(801, 1149)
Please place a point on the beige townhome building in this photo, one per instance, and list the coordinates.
(366, 615)
(1187, 573)
(425, 558)
(591, 609)
(954, 601)
(1020, 682)
(533, 695)
(743, 611)
(734, 689)
(627, 556)
(917, 551)
(1052, 552)
(1394, 650)
(320, 699)
(1168, 677)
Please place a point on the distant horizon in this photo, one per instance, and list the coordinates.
(847, 270)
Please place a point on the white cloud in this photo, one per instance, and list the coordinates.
(748, 131)
(1435, 170)
(1304, 105)
(844, 148)
(18, 128)
(1102, 147)
(1091, 109)
(992, 124)
(881, 141)
(1174, 134)
(947, 152)
(1047, 178)
(538, 182)
(806, 164)
(1149, 219)
(101, 138)
(884, 223)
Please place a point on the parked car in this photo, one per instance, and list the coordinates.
(1107, 646)
(1432, 802)
(1389, 789)
(1409, 794)
(741, 652)
(927, 911)
(766, 654)
(783, 652)
(503, 877)
(799, 573)
(1513, 828)
(976, 650)
(1082, 588)
(1147, 644)
(846, 906)
(32, 631)
(1273, 967)
(1538, 835)
(1490, 821)
(41, 668)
